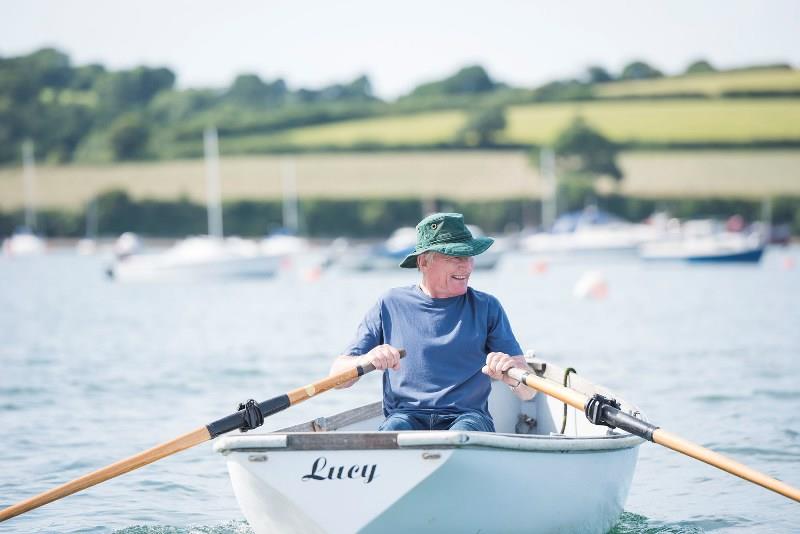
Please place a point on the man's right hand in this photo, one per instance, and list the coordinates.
(382, 357)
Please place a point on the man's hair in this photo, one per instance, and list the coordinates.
(427, 254)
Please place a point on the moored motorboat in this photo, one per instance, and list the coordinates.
(23, 242)
(338, 474)
(198, 257)
(703, 241)
(592, 232)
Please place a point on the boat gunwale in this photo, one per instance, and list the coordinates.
(422, 439)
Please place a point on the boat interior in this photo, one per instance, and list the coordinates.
(541, 416)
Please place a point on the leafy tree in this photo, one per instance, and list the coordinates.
(701, 66)
(597, 74)
(469, 80)
(128, 137)
(359, 89)
(124, 91)
(250, 90)
(582, 149)
(171, 107)
(85, 77)
(483, 126)
(639, 70)
(47, 68)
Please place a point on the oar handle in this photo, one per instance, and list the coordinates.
(600, 410)
(281, 402)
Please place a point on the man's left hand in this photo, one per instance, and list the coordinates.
(499, 362)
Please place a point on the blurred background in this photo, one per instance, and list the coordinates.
(200, 200)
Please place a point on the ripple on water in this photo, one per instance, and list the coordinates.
(778, 394)
(717, 399)
(632, 523)
(229, 527)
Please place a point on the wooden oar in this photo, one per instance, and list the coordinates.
(195, 437)
(602, 411)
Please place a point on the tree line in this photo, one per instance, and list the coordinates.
(114, 212)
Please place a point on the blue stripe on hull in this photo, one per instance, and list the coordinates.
(751, 256)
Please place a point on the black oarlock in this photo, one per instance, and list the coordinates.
(601, 410)
(252, 418)
(239, 420)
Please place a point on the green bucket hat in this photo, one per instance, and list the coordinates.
(447, 234)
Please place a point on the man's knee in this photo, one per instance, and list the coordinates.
(398, 421)
(474, 422)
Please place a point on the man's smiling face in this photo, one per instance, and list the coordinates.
(445, 276)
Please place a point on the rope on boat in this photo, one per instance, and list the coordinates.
(567, 371)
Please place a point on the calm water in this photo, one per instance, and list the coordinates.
(92, 372)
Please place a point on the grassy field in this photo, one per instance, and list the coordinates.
(711, 84)
(660, 121)
(469, 175)
(683, 121)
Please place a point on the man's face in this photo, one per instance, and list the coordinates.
(446, 276)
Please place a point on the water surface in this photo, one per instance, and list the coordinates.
(94, 371)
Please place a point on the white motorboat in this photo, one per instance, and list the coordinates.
(198, 257)
(338, 475)
(24, 243)
(703, 241)
(591, 232)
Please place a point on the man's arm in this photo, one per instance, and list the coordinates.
(382, 357)
(499, 362)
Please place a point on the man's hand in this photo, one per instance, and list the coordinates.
(382, 357)
(499, 362)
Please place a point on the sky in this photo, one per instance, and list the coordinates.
(401, 44)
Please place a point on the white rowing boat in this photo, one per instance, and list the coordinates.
(338, 474)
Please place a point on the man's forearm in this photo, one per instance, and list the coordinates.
(522, 391)
(343, 363)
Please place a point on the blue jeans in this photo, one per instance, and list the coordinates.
(472, 421)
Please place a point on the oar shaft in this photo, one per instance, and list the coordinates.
(618, 418)
(296, 396)
(195, 437)
(548, 387)
(676, 443)
(110, 471)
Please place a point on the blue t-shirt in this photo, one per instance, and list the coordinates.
(446, 342)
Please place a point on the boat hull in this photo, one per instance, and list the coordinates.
(750, 255)
(144, 268)
(430, 482)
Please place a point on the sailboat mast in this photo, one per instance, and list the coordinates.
(547, 170)
(29, 177)
(213, 197)
(291, 219)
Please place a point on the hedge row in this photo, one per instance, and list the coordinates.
(116, 212)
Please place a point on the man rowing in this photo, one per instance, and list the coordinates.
(456, 338)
